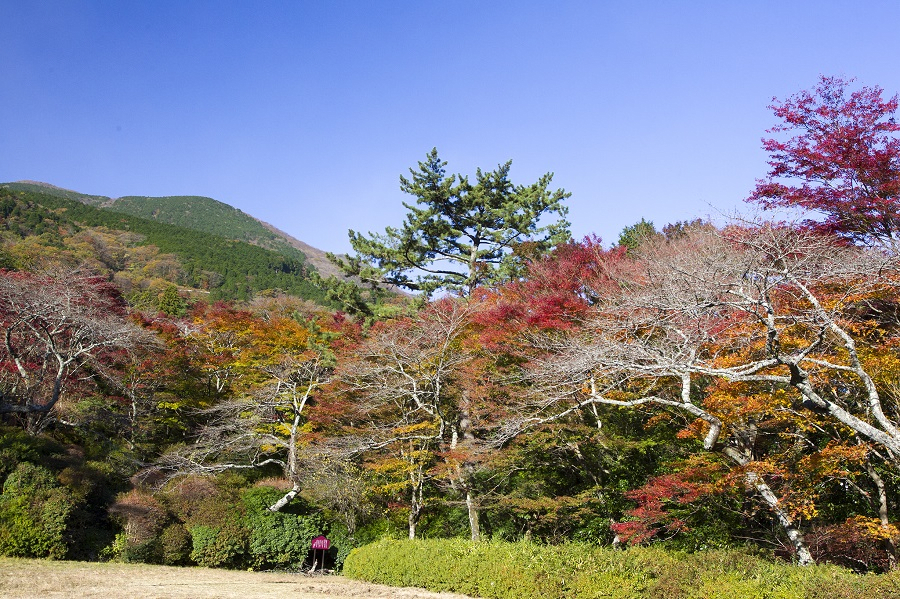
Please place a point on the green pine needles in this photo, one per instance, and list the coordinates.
(459, 235)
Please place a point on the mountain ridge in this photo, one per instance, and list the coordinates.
(144, 256)
(221, 219)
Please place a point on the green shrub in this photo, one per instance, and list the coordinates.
(279, 539)
(342, 543)
(60, 512)
(175, 545)
(525, 570)
(17, 446)
(221, 547)
(203, 538)
(34, 514)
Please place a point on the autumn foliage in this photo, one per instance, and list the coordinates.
(704, 386)
(841, 161)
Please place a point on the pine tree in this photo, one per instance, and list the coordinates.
(460, 235)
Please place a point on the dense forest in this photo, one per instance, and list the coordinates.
(171, 395)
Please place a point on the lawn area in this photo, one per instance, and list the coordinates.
(26, 579)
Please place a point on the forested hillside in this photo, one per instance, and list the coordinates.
(52, 190)
(219, 266)
(199, 214)
(209, 216)
(726, 389)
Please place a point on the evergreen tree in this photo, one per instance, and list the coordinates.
(632, 236)
(171, 302)
(458, 234)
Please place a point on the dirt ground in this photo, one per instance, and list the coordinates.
(27, 579)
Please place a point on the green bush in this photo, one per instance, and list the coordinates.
(220, 547)
(18, 446)
(342, 543)
(175, 545)
(247, 535)
(34, 514)
(56, 505)
(279, 539)
(524, 570)
(203, 538)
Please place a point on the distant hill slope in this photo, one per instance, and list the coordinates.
(225, 268)
(59, 192)
(197, 213)
(315, 256)
(204, 214)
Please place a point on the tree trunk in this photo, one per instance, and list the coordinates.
(883, 513)
(415, 512)
(413, 521)
(416, 504)
(754, 480)
(464, 472)
(473, 515)
(804, 557)
(288, 497)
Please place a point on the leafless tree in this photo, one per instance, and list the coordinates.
(766, 305)
(404, 381)
(332, 480)
(57, 326)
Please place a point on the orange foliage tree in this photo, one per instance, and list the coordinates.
(264, 375)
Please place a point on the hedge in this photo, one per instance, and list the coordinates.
(502, 570)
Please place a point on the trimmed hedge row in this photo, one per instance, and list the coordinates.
(500, 570)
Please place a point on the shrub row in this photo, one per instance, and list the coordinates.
(523, 570)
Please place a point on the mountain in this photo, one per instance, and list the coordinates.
(204, 214)
(59, 192)
(314, 256)
(41, 224)
(197, 213)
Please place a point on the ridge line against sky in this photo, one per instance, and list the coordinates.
(305, 114)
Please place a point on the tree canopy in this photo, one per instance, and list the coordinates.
(460, 234)
(841, 161)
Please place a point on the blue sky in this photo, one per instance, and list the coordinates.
(304, 113)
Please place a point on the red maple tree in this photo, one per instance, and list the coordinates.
(841, 161)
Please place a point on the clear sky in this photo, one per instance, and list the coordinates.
(305, 113)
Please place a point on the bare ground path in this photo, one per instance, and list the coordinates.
(27, 579)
